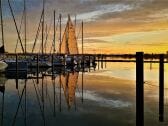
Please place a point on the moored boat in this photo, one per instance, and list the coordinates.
(20, 65)
(3, 66)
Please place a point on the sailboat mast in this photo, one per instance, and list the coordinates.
(43, 28)
(54, 31)
(25, 25)
(17, 30)
(60, 17)
(2, 29)
(82, 37)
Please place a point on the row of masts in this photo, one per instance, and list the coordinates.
(41, 27)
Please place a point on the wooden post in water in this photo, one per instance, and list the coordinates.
(64, 60)
(105, 62)
(89, 61)
(52, 60)
(139, 89)
(98, 62)
(161, 88)
(101, 61)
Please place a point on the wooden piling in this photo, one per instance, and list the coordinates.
(139, 89)
(102, 61)
(89, 60)
(98, 62)
(64, 60)
(105, 64)
(89, 63)
(161, 88)
(52, 62)
(83, 62)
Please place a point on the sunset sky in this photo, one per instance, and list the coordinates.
(110, 26)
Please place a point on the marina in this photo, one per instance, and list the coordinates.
(59, 70)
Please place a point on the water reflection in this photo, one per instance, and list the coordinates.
(69, 82)
(76, 96)
(45, 89)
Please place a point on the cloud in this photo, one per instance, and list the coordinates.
(137, 38)
(103, 19)
(104, 9)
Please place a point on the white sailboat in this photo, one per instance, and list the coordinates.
(3, 65)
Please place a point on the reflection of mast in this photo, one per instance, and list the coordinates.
(54, 96)
(43, 97)
(39, 103)
(69, 82)
(60, 92)
(17, 110)
(25, 102)
(2, 114)
(82, 86)
(2, 90)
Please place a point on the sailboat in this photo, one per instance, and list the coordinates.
(3, 65)
(69, 45)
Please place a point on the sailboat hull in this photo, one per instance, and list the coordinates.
(21, 65)
(3, 66)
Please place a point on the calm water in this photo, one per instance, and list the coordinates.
(101, 97)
